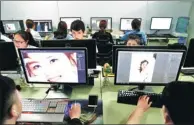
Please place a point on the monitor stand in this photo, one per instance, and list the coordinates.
(143, 88)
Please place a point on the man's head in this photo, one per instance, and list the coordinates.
(10, 101)
(133, 40)
(103, 25)
(135, 24)
(30, 24)
(178, 98)
(78, 29)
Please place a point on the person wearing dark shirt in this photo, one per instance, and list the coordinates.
(11, 104)
(102, 32)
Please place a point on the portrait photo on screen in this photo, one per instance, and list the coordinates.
(51, 66)
(10, 27)
(142, 67)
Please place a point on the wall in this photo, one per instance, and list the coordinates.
(191, 23)
(86, 9)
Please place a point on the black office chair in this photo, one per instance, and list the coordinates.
(104, 54)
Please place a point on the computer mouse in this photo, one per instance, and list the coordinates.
(68, 107)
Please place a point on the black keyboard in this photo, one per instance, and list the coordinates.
(161, 35)
(131, 97)
(53, 106)
(187, 71)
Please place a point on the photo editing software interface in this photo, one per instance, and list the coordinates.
(125, 23)
(148, 67)
(11, 26)
(161, 23)
(54, 66)
(69, 20)
(96, 21)
(43, 25)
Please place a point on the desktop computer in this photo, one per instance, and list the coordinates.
(95, 21)
(43, 27)
(69, 20)
(90, 44)
(54, 65)
(188, 66)
(161, 23)
(11, 26)
(125, 23)
(8, 56)
(146, 67)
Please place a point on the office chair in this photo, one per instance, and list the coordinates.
(104, 54)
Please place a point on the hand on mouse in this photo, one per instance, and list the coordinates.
(75, 111)
(143, 103)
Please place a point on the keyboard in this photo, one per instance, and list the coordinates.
(44, 106)
(161, 35)
(187, 71)
(131, 97)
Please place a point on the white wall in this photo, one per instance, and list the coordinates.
(191, 23)
(86, 9)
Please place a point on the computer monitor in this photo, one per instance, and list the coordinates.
(43, 26)
(69, 20)
(189, 61)
(90, 44)
(95, 21)
(54, 65)
(125, 23)
(161, 23)
(8, 57)
(115, 47)
(11, 26)
(147, 66)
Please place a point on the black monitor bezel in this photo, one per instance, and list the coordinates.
(15, 64)
(127, 18)
(45, 21)
(70, 17)
(150, 50)
(52, 48)
(161, 29)
(21, 22)
(99, 17)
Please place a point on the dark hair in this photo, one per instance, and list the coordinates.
(61, 32)
(140, 69)
(134, 37)
(78, 25)
(103, 24)
(7, 90)
(178, 98)
(29, 24)
(135, 24)
(27, 36)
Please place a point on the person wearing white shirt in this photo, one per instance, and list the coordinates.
(22, 40)
(3, 37)
(31, 28)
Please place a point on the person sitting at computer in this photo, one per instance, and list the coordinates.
(133, 40)
(136, 30)
(178, 104)
(78, 29)
(11, 106)
(61, 32)
(51, 67)
(23, 39)
(102, 34)
(31, 28)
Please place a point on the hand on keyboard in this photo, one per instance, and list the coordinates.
(75, 111)
(143, 103)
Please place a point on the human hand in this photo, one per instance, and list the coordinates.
(143, 103)
(75, 111)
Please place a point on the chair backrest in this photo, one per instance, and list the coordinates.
(103, 38)
(104, 48)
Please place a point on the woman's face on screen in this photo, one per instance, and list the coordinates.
(50, 67)
(144, 65)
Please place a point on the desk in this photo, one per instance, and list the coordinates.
(113, 112)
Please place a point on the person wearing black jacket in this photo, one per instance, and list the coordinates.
(11, 106)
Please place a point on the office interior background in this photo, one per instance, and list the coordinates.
(53, 10)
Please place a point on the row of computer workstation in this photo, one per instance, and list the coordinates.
(45, 27)
(66, 63)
